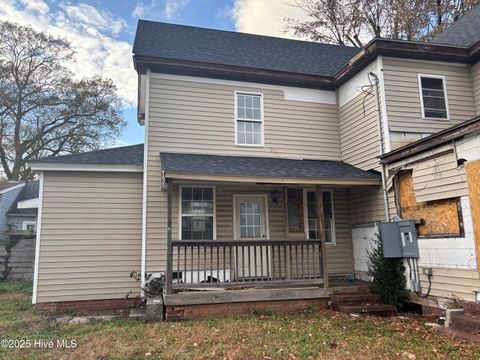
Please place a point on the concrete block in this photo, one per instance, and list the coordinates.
(155, 308)
(450, 313)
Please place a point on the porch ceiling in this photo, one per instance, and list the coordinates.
(263, 170)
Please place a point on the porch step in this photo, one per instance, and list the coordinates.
(472, 308)
(369, 309)
(354, 299)
(465, 322)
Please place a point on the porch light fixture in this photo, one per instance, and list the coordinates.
(275, 196)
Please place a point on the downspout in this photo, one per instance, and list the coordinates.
(378, 80)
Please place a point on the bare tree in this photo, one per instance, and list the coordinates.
(354, 22)
(330, 21)
(44, 110)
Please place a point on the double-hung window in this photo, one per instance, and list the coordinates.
(249, 119)
(433, 97)
(197, 213)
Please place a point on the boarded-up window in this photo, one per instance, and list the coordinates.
(439, 217)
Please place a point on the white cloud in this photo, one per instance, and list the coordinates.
(159, 9)
(265, 17)
(92, 33)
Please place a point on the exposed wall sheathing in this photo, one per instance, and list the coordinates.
(438, 217)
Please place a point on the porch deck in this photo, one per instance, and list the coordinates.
(206, 302)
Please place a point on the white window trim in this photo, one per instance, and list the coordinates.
(267, 218)
(305, 215)
(180, 208)
(26, 223)
(420, 91)
(262, 130)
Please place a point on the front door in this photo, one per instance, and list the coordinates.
(250, 224)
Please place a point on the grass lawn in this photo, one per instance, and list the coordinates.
(308, 335)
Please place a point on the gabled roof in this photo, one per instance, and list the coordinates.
(262, 167)
(463, 32)
(125, 155)
(30, 191)
(188, 43)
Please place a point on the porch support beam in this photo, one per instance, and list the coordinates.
(321, 233)
(169, 275)
(285, 220)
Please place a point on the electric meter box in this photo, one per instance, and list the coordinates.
(399, 239)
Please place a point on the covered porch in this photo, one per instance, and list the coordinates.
(257, 223)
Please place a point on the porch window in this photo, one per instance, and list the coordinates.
(433, 95)
(197, 213)
(249, 119)
(328, 217)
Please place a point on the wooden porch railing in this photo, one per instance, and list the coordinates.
(210, 263)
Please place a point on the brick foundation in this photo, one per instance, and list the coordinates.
(87, 305)
(432, 312)
(228, 309)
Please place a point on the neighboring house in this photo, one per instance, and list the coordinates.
(261, 167)
(9, 192)
(22, 215)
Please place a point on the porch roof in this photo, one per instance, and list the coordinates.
(263, 170)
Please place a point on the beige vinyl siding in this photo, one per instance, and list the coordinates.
(90, 236)
(366, 205)
(475, 71)
(359, 132)
(361, 147)
(403, 96)
(448, 283)
(195, 117)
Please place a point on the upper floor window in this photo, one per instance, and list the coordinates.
(249, 119)
(433, 97)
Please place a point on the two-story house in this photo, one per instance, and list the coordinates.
(260, 169)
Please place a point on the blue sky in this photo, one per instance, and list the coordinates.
(102, 32)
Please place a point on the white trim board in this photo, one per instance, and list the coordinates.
(145, 184)
(29, 204)
(290, 93)
(38, 239)
(86, 167)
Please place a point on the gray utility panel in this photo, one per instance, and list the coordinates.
(399, 239)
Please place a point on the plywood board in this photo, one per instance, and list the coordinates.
(473, 179)
(439, 217)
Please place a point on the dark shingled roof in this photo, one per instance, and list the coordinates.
(262, 167)
(464, 32)
(188, 43)
(125, 155)
(29, 191)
